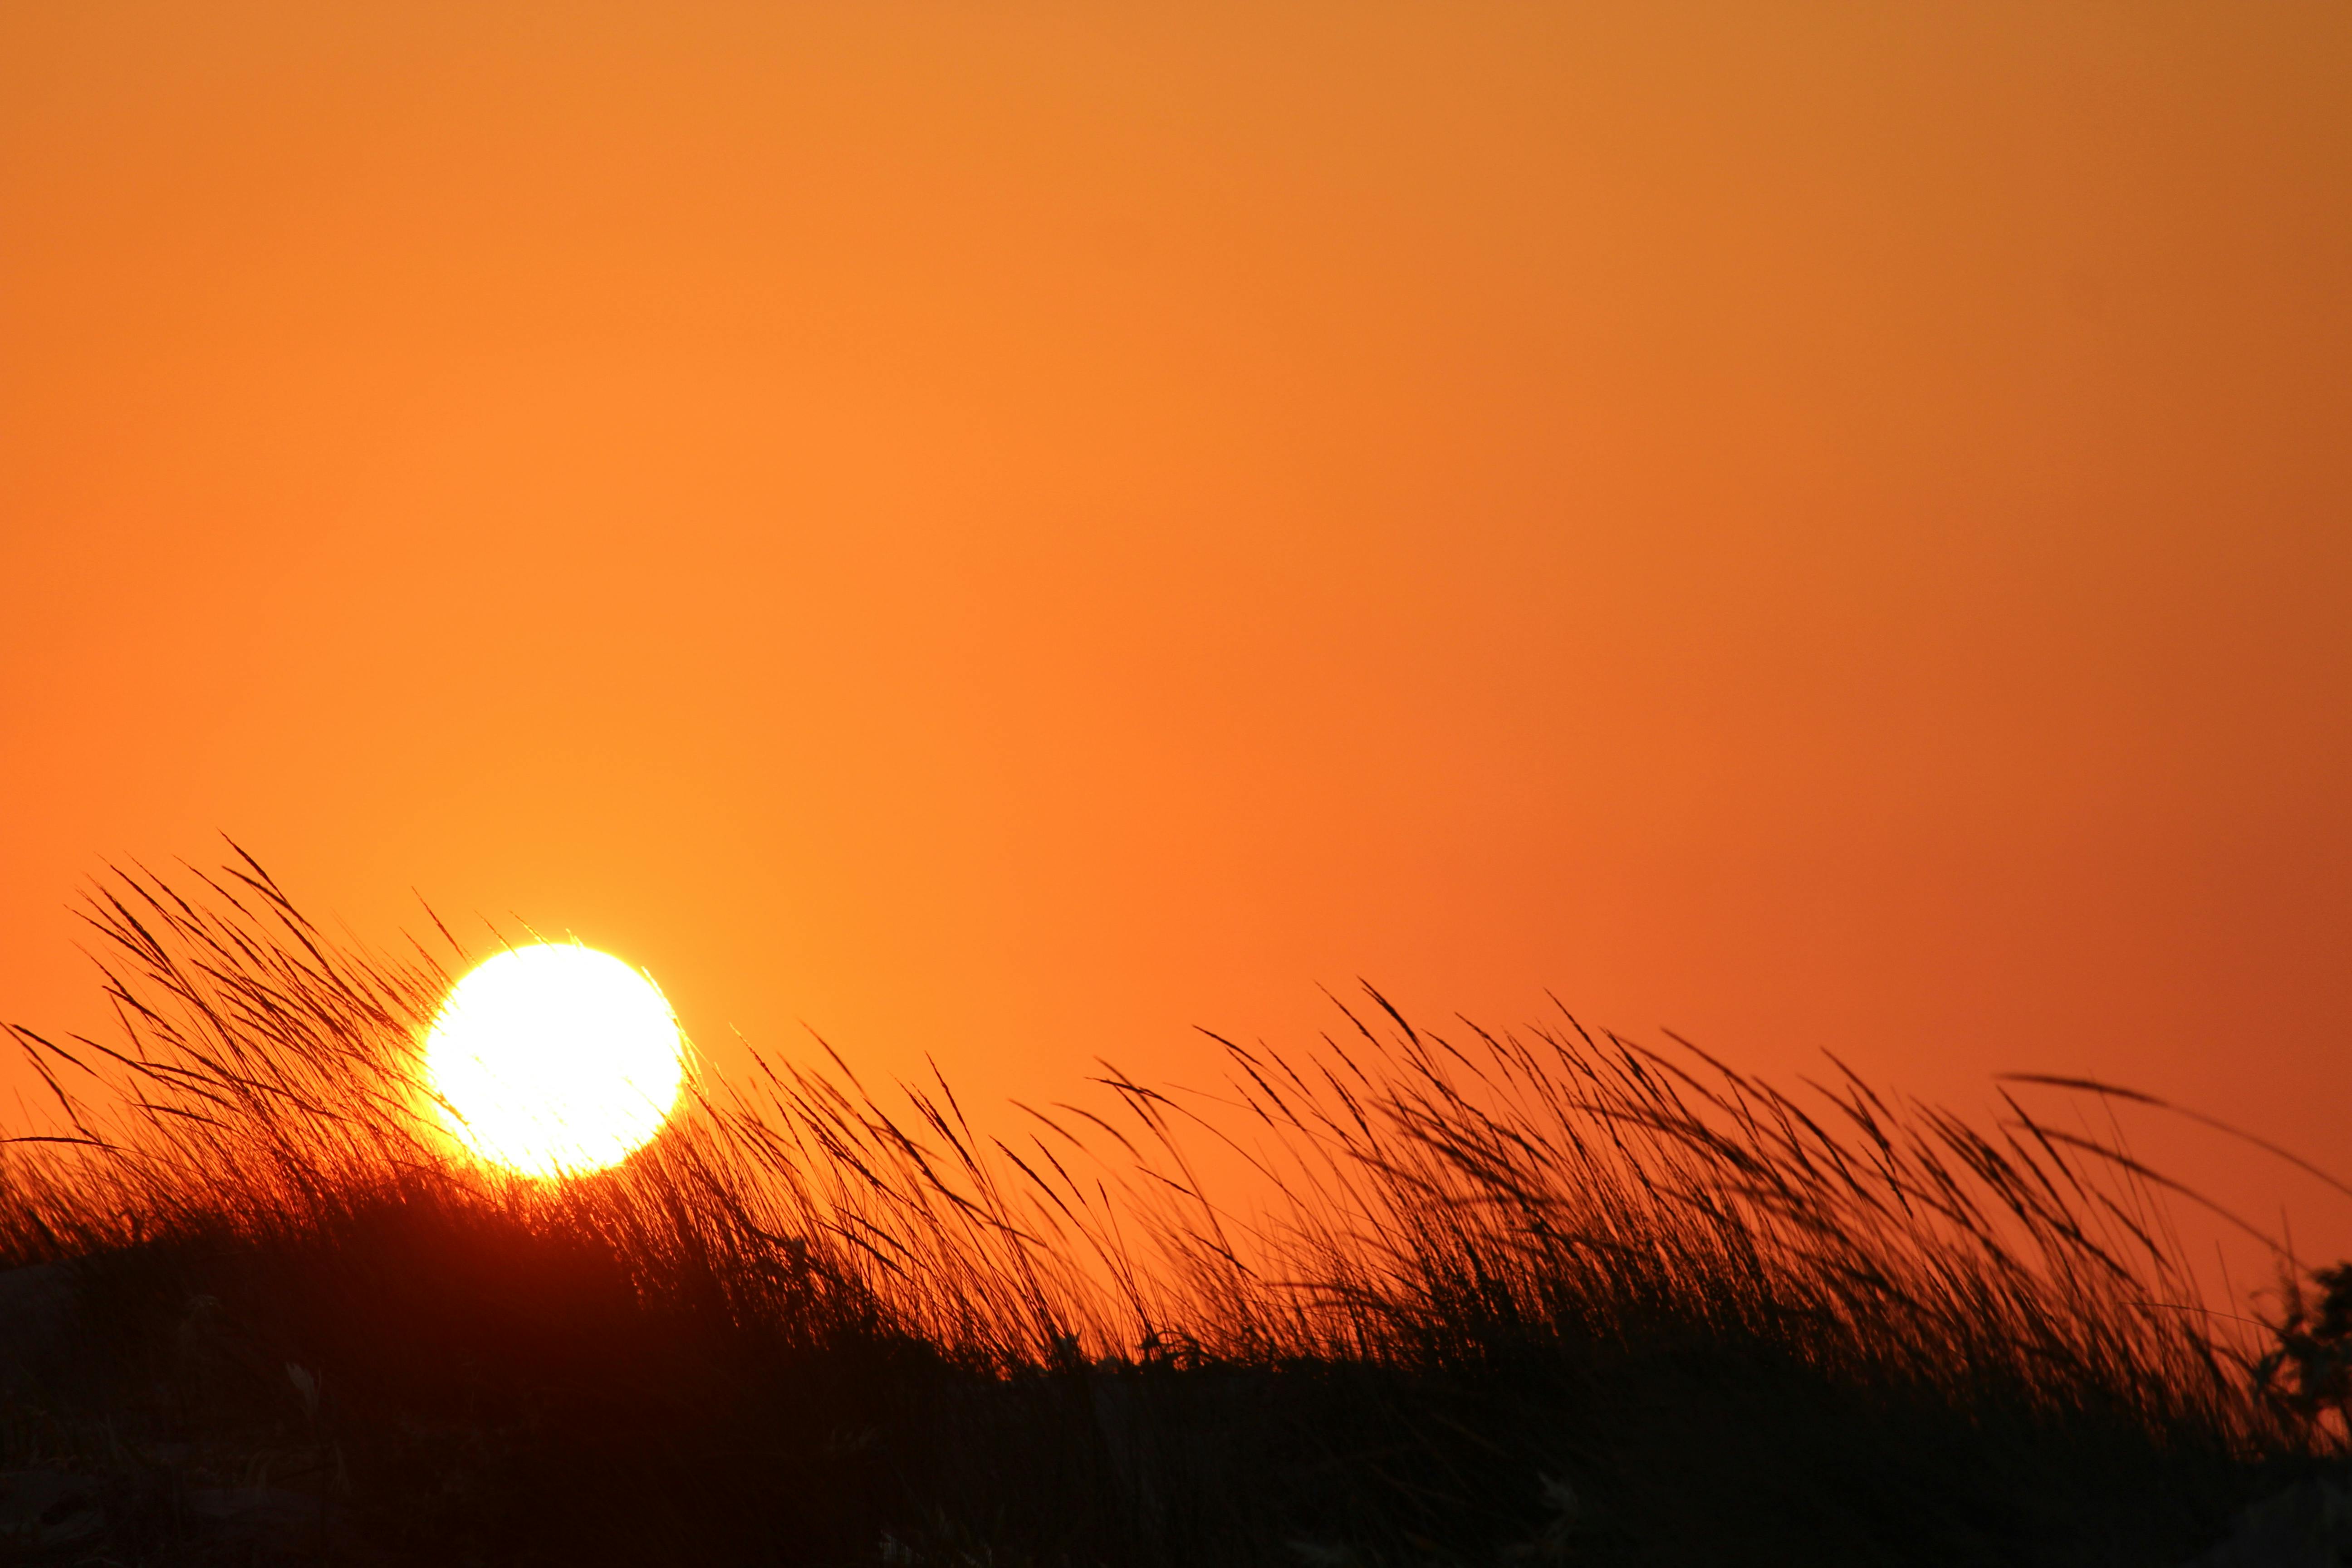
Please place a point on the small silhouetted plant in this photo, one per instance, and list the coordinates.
(2309, 1369)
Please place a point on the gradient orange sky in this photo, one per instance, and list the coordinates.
(1008, 531)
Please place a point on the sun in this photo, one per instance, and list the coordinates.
(555, 1059)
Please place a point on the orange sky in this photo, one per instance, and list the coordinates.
(1010, 531)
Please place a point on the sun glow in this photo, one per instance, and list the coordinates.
(555, 1059)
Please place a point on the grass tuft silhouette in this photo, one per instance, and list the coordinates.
(1545, 1296)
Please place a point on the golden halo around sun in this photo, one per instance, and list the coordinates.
(555, 1059)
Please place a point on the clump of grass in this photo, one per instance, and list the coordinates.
(1552, 1294)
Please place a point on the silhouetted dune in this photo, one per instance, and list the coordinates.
(1551, 1297)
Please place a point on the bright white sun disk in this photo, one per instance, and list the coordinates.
(555, 1059)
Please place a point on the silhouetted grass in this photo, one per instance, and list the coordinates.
(1549, 1296)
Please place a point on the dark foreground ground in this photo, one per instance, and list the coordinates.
(186, 1407)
